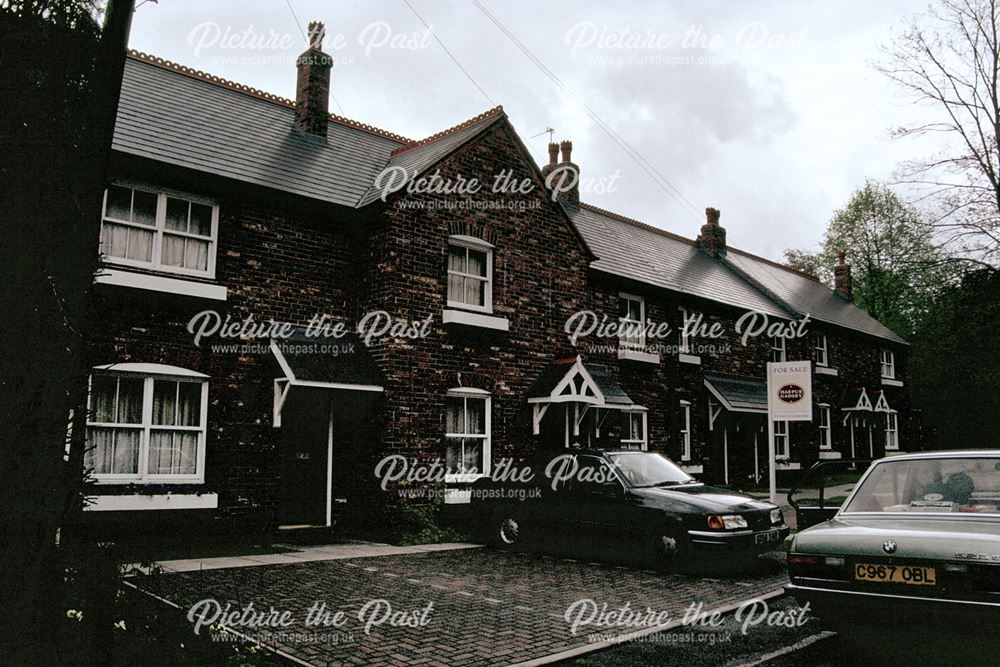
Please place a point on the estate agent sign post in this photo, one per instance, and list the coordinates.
(789, 398)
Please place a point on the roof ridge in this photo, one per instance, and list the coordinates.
(213, 79)
(678, 237)
(494, 112)
(637, 223)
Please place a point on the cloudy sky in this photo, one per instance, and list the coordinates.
(769, 111)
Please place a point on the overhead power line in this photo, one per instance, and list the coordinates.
(629, 150)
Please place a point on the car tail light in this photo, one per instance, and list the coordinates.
(804, 559)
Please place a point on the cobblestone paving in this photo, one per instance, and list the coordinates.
(489, 607)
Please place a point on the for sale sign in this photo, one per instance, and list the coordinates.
(789, 391)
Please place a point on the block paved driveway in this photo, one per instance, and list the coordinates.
(490, 607)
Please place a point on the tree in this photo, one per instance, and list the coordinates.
(60, 76)
(952, 66)
(895, 265)
(955, 364)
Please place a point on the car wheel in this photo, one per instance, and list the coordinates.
(665, 550)
(508, 531)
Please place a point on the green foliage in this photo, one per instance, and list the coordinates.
(955, 364)
(895, 265)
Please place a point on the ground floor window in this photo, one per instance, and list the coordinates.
(146, 427)
(781, 439)
(685, 431)
(823, 426)
(634, 432)
(891, 431)
(467, 432)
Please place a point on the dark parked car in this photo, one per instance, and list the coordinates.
(916, 544)
(631, 499)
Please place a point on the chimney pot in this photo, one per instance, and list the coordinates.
(567, 150)
(312, 84)
(713, 236)
(553, 153)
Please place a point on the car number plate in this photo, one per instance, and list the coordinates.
(769, 536)
(896, 574)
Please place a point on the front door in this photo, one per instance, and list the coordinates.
(305, 440)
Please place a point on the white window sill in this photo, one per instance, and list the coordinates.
(475, 320)
(889, 382)
(826, 370)
(638, 355)
(692, 469)
(457, 496)
(894, 452)
(689, 359)
(163, 501)
(827, 455)
(462, 479)
(166, 284)
(787, 465)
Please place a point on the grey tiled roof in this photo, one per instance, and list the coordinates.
(808, 296)
(740, 392)
(634, 250)
(169, 116)
(654, 257)
(417, 159)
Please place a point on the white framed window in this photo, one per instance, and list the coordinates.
(632, 321)
(888, 364)
(777, 349)
(823, 426)
(156, 230)
(683, 338)
(634, 429)
(685, 430)
(821, 349)
(891, 431)
(470, 274)
(781, 448)
(467, 433)
(144, 427)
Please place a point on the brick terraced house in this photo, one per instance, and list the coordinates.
(230, 202)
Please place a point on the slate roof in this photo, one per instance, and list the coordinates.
(423, 155)
(655, 257)
(806, 295)
(330, 360)
(180, 116)
(739, 391)
(554, 373)
(632, 249)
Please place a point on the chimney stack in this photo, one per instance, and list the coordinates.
(312, 85)
(553, 159)
(563, 177)
(713, 236)
(842, 278)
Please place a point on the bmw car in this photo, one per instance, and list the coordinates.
(917, 542)
(631, 500)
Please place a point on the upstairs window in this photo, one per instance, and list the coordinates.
(683, 336)
(470, 274)
(888, 365)
(821, 350)
(146, 428)
(467, 432)
(777, 349)
(155, 230)
(632, 321)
